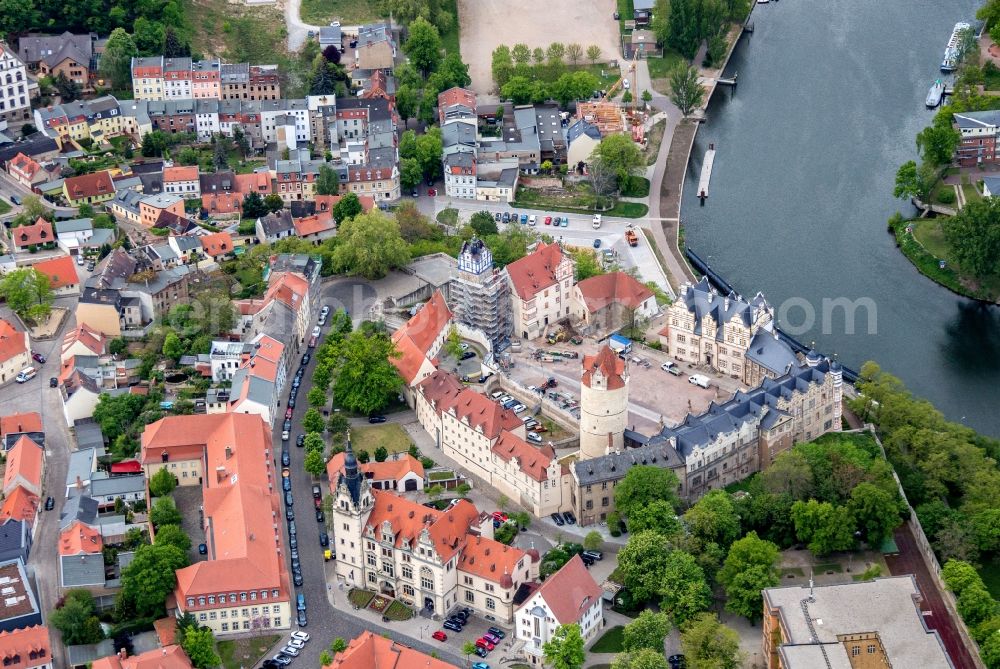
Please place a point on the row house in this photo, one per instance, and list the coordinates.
(242, 81)
(182, 180)
(286, 122)
(206, 79)
(978, 131)
(432, 560)
(15, 100)
(177, 79)
(295, 179)
(88, 119)
(159, 78)
(379, 182)
(172, 116)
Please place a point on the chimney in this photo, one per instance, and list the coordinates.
(229, 452)
(79, 483)
(123, 654)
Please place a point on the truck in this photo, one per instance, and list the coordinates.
(631, 237)
(619, 344)
(699, 380)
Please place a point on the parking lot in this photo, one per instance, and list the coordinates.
(655, 396)
(474, 629)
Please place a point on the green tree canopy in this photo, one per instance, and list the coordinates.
(789, 474)
(750, 567)
(77, 619)
(164, 512)
(913, 181)
(199, 644)
(708, 644)
(713, 519)
(642, 659)
(162, 482)
(483, 224)
(642, 562)
(685, 90)
(876, 513)
(347, 208)
(937, 143)
(621, 155)
(365, 379)
(684, 589)
(974, 236)
(593, 541)
(644, 484)
(314, 463)
(116, 63)
(370, 245)
(174, 536)
(327, 182)
(658, 516)
(149, 579)
(423, 46)
(824, 527)
(565, 649)
(647, 631)
(28, 293)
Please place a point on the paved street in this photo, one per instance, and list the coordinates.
(35, 395)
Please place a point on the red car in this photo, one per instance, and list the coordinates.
(485, 644)
(288, 412)
(440, 635)
(312, 342)
(432, 192)
(548, 220)
(500, 516)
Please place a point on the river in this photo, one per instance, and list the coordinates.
(830, 97)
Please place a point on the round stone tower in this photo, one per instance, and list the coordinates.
(603, 404)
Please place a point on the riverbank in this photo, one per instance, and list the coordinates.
(928, 253)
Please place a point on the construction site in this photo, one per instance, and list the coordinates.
(613, 117)
(479, 293)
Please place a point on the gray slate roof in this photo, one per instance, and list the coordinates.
(74, 225)
(81, 570)
(701, 299)
(81, 464)
(772, 353)
(580, 128)
(78, 507)
(118, 485)
(276, 222)
(614, 465)
(88, 435)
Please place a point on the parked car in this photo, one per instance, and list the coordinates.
(556, 221)
(497, 632)
(49, 503)
(431, 192)
(557, 519)
(300, 440)
(317, 502)
(548, 220)
(491, 638)
(297, 643)
(594, 555)
(597, 243)
(587, 561)
(288, 650)
(506, 217)
(38, 357)
(439, 636)
(485, 643)
(518, 408)
(291, 402)
(53, 382)
(305, 359)
(288, 412)
(467, 355)
(534, 437)
(292, 531)
(376, 419)
(286, 484)
(569, 517)
(481, 652)
(503, 518)
(285, 460)
(293, 542)
(287, 425)
(300, 602)
(564, 223)
(301, 619)
(282, 659)
(289, 500)
(297, 578)
(677, 661)
(316, 331)
(498, 218)
(289, 513)
(324, 540)
(284, 435)
(531, 220)
(301, 636)
(496, 394)
(319, 516)
(452, 625)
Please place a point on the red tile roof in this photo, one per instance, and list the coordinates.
(532, 461)
(30, 421)
(218, 243)
(448, 530)
(80, 539)
(20, 504)
(328, 202)
(448, 394)
(414, 340)
(95, 342)
(126, 467)
(608, 364)
(24, 466)
(12, 341)
(287, 287)
(314, 225)
(60, 270)
(570, 592)
(536, 271)
(491, 560)
(39, 232)
(255, 182)
(31, 645)
(90, 185)
(390, 470)
(180, 173)
(371, 651)
(600, 291)
(222, 203)
(168, 657)
(27, 166)
(455, 96)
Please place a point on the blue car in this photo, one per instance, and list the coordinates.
(480, 665)
(524, 219)
(597, 243)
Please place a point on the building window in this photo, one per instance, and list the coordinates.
(470, 597)
(871, 649)
(491, 604)
(855, 651)
(371, 577)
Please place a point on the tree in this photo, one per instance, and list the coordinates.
(162, 482)
(685, 90)
(453, 343)
(429, 148)
(154, 143)
(658, 516)
(164, 512)
(332, 54)
(644, 484)
(327, 182)
(174, 536)
(483, 224)
(77, 619)
(313, 442)
(912, 181)
(241, 141)
(410, 173)
(641, 563)
(365, 379)
(253, 205)
(149, 579)
(708, 644)
(789, 474)
(647, 97)
(750, 567)
(312, 421)
(824, 527)
(713, 519)
(974, 236)
(325, 658)
(555, 53)
(684, 588)
(116, 63)
(148, 36)
(450, 73)
(381, 453)
(976, 604)
(406, 103)
(593, 541)
(585, 264)
(538, 55)
(314, 463)
(643, 659)
(199, 644)
(28, 293)
(937, 143)
(517, 89)
(468, 648)
(273, 202)
(621, 155)
(423, 46)
(565, 649)
(339, 645)
(347, 208)
(647, 631)
(117, 346)
(574, 52)
(875, 512)
(173, 347)
(173, 46)
(626, 97)
(369, 245)
(593, 54)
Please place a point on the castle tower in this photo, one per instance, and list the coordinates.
(352, 505)
(603, 404)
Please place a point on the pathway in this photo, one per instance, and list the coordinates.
(298, 31)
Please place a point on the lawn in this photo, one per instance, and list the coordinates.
(833, 567)
(990, 573)
(575, 199)
(928, 232)
(625, 11)
(450, 39)
(4, 207)
(348, 12)
(440, 476)
(606, 74)
(610, 642)
(247, 166)
(636, 187)
(388, 435)
(360, 598)
(398, 611)
(660, 68)
(240, 653)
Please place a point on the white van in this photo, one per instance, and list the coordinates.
(699, 380)
(597, 221)
(26, 374)
(532, 220)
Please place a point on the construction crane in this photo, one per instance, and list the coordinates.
(630, 70)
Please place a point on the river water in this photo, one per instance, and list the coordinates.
(830, 97)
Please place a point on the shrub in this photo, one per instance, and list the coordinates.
(946, 196)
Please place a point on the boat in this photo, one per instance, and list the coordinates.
(952, 52)
(935, 94)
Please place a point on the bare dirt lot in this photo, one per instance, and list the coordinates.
(486, 24)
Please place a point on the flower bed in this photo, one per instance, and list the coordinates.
(379, 604)
(398, 611)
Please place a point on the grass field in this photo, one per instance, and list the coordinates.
(4, 207)
(660, 68)
(348, 12)
(388, 435)
(610, 642)
(241, 653)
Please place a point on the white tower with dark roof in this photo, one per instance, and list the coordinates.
(352, 504)
(603, 404)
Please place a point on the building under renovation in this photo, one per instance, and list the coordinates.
(480, 296)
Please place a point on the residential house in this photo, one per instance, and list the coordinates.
(244, 583)
(26, 648)
(295, 180)
(128, 488)
(78, 235)
(541, 289)
(978, 132)
(15, 538)
(73, 56)
(456, 104)
(570, 596)
(15, 351)
(420, 340)
(642, 12)
(19, 606)
(331, 35)
(258, 382)
(220, 195)
(242, 81)
(315, 228)
(37, 146)
(611, 301)
(26, 171)
(80, 394)
(20, 423)
(430, 559)
(15, 99)
(877, 623)
(497, 181)
(61, 270)
(158, 78)
(20, 506)
(217, 244)
(376, 49)
(24, 467)
(104, 310)
(404, 473)
(89, 188)
(84, 340)
(581, 140)
(80, 547)
(151, 207)
(644, 43)
(147, 78)
(26, 236)
(274, 226)
(460, 174)
(170, 656)
(183, 181)
(372, 651)
(125, 205)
